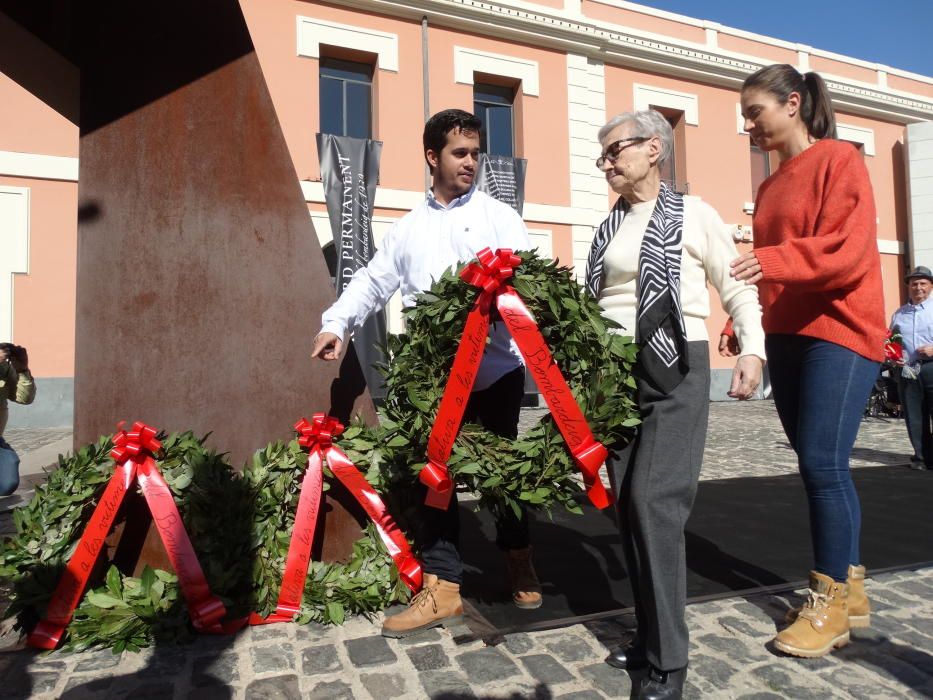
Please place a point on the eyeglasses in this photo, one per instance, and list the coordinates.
(615, 149)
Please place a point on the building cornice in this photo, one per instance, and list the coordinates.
(760, 38)
(557, 29)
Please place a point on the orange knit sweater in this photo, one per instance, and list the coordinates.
(816, 240)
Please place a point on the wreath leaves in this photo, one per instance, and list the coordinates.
(536, 470)
(126, 612)
(366, 584)
(239, 526)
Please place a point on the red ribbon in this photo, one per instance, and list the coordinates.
(490, 275)
(134, 454)
(317, 437)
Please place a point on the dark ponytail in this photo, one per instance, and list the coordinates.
(818, 110)
(816, 107)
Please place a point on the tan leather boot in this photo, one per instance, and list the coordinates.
(526, 589)
(859, 607)
(438, 603)
(823, 622)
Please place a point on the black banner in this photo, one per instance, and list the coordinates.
(503, 178)
(349, 170)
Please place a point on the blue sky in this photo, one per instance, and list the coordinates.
(897, 33)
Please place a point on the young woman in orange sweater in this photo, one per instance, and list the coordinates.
(818, 272)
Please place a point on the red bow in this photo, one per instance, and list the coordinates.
(136, 445)
(493, 269)
(318, 433)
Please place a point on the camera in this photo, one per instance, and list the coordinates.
(9, 355)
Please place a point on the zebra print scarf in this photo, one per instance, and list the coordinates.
(660, 322)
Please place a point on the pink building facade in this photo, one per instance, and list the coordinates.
(556, 69)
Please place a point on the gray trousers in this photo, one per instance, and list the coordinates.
(654, 480)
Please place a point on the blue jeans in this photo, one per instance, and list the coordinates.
(820, 390)
(9, 469)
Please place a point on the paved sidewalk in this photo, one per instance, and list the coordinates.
(730, 657)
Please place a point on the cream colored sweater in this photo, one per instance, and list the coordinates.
(707, 251)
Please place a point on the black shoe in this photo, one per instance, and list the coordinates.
(631, 655)
(662, 685)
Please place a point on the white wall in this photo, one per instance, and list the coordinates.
(920, 192)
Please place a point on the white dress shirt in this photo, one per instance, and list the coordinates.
(707, 251)
(416, 252)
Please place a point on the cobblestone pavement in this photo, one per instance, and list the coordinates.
(746, 439)
(730, 657)
(26, 439)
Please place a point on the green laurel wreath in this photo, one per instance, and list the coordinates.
(369, 582)
(537, 470)
(126, 612)
(239, 526)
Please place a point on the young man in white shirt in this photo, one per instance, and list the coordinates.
(449, 228)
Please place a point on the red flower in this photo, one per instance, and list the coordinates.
(893, 348)
(894, 352)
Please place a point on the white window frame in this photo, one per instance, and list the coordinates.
(542, 240)
(469, 61)
(14, 244)
(314, 32)
(857, 134)
(647, 96)
(739, 120)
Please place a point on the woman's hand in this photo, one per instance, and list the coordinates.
(746, 377)
(746, 268)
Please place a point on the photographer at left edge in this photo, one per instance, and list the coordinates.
(16, 384)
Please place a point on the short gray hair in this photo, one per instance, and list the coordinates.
(647, 123)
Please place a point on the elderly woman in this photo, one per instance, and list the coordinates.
(649, 266)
